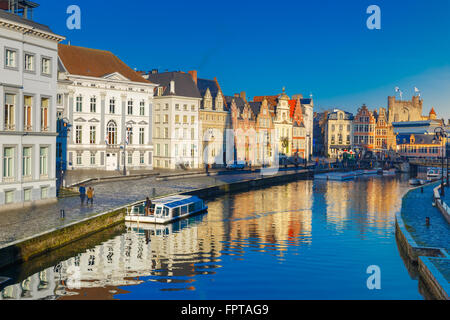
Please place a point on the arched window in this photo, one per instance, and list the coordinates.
(111, 132)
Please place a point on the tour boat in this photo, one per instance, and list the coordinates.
(390, 172)
(358, 172)
(168, 209)
(371, 171)
(434, 173)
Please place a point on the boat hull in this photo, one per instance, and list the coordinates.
(158, 220)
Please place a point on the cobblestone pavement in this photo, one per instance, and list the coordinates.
(20, 224)
(416, 207)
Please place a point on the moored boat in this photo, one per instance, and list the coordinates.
(167, 209)
(371, 171)
(390, 172)
(416, 182)
(434, 173)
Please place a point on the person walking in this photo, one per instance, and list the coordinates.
(82, 191)
(90, 195)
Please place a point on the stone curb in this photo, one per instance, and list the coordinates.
(434, 279)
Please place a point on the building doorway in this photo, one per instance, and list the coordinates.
(111, 161)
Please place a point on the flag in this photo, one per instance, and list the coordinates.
(416, 90)
(397, 89)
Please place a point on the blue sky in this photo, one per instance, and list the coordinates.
(321, 47)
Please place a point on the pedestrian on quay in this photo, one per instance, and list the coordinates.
(90, 195)
(82, 191)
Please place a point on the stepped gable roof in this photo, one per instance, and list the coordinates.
(292, 104)
(95, 63)
(240, 103)
(184, 84)
(255, 107)
(204, 84)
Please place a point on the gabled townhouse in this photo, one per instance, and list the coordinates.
(109, 106)
(176, 120)
(243, 123)
(282, 106)
(265, 132)
(364, 129)
(298, 130)
(28, 85)
(214, 119)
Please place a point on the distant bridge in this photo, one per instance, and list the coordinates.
(427, 162)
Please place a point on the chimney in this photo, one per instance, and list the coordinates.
(236, 95)
(172, 87)
(193, 74)
(154, 71)
(242, 95)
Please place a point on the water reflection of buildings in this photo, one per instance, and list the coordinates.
(163, 252)
(370, 203)
(271, 218)
(173, 255)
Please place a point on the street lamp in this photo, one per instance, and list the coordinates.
(127, 140)
(440, 134)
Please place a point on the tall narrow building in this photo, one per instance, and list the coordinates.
(176, 125)
(28, 85)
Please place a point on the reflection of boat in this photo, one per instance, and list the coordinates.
(337, 176)
(390, 172)
(168, 209)
(164, 229)
(416, 182)
(371, 171)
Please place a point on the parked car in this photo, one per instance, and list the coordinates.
(235, 166)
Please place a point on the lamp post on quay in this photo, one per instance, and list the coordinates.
(127, 141)
(440, 135)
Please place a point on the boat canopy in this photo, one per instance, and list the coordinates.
(173, 202)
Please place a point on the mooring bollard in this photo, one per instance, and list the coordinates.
(62, 214)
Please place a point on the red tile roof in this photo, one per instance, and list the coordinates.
(272, 100)
(95, 63)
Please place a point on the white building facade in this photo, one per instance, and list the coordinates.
(176, 121)
(338, 133)
(110, 108)
(28, 85)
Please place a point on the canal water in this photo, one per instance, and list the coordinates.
(303, 240)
